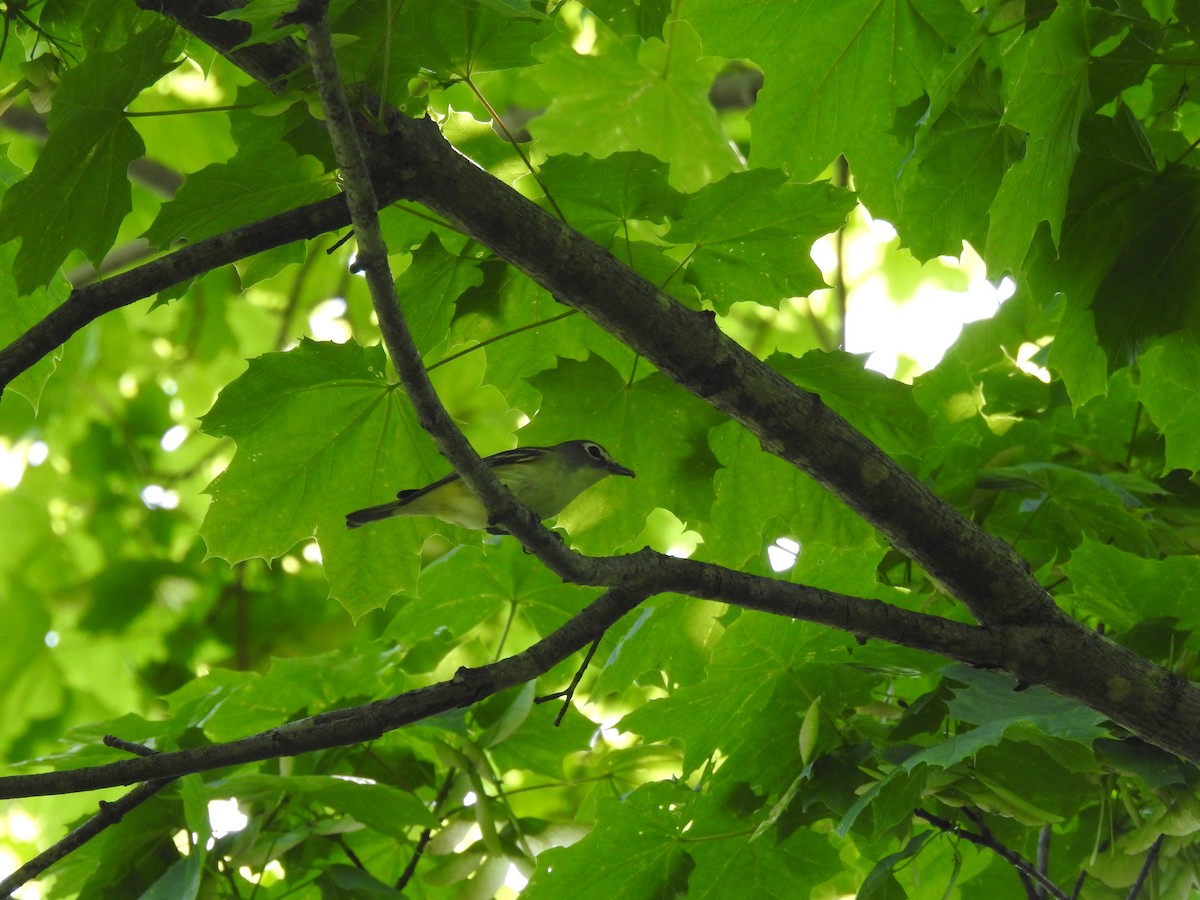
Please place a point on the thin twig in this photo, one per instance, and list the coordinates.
(508, 135)
(372, 259)
(130, 114)
(1016, 860)
(109, 814)
(86, 304)
(499, 337)
(569, 693)
(641, 575)
(117, 743)
(1147, 867)
(427, 833)
(1043, 854)
(1027, 883)
(1182, 156)
(1137, 423)
(841, 178)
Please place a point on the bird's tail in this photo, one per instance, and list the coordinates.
(362, 517)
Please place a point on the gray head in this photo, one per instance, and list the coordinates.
(589, 453)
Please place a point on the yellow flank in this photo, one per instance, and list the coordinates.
(453, 503)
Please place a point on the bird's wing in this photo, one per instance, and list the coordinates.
(503, 458)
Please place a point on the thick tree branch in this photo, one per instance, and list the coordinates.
(643, 574)
(866, 618)
(271, 64)
(87, 304)
(978, 569)
(109, 814)
(981, 571)
(342, 727)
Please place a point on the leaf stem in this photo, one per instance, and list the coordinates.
(498, 337)
(130, 114)
(508, 135)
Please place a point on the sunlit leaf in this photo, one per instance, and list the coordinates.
(78, 193)
(636, 94)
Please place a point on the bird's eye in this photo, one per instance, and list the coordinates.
(596, 452)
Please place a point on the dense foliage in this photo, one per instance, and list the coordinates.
(176, 571)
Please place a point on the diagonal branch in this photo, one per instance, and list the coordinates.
(109, 814)
(865, 618)
(86, 304)
(979, 570)
(1024, 867)
(342, 727)
(372, 260)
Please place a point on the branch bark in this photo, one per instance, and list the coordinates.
(341, 727)
(981, 571)
(1026, 869)
(109, 814)
(641, 576)
(1040, 643)
(363, 205)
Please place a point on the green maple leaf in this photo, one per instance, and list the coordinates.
(444, 40)
(633, 851)
(260, 181)
(836, 75)
(1108, 201)
(429, 287)
(320, 431)
(637, 94)
(939, 207)
(600, 197)
(78, 191)
(1168, 389)
(1152, 285)
(753, 232)
(1047, 97)
(882, 409)
(1125, 589)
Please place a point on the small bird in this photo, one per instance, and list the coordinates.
(545, 479)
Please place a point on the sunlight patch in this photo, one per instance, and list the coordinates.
(155, 496)
(224, 817)
(174, 438)
(327, 321)
(514, 880)
(1024, 361)
(782, 554)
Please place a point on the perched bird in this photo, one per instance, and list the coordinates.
(545, 479)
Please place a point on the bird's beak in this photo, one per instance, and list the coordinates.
(618, 469)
